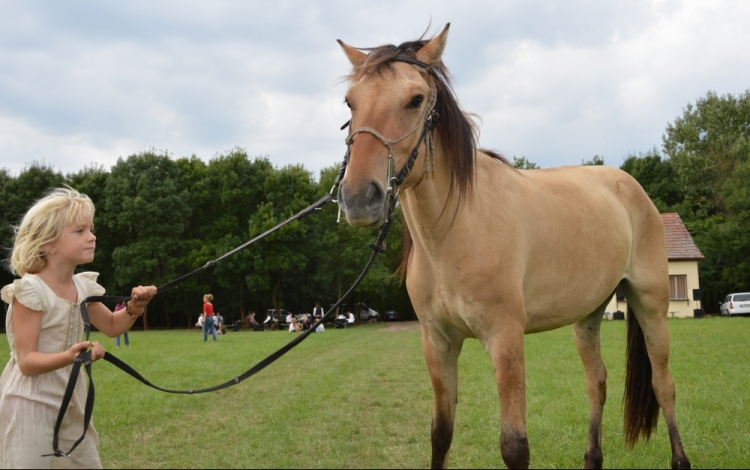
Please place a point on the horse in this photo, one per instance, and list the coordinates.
(493, 253)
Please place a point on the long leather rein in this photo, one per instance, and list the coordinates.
(83, 359)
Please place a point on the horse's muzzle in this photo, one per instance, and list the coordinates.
(365, 206)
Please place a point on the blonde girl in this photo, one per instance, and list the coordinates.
(44, 329)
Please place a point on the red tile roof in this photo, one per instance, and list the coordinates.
(680, 244)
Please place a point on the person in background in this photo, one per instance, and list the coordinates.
(289, 318)
(120, 306)
(350, 318)
(318, 311)
(251, 321)
(219, 320)
(208, 317)
(199, 324)
(340, 321)
(306, 321)
(294, 326)
(271, 322)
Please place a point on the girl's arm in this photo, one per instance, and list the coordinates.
(27, 325)
(114, 324)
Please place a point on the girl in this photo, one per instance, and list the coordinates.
(208, 317)
(44, 329)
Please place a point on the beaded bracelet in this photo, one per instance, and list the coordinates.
(127, 309)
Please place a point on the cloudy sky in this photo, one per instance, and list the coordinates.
(87, 82)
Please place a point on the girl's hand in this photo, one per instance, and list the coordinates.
(141, 296)
(97, 351)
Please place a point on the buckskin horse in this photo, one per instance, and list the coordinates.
(493, 253)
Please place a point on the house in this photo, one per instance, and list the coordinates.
(683, 255)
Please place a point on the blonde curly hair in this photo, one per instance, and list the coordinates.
(43, 224)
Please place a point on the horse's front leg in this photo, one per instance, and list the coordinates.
(442, 354)
(506, 350)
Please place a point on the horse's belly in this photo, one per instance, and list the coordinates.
(555, 313)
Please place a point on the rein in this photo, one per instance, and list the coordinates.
(430, 118)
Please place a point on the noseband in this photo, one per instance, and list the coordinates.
(430, 118)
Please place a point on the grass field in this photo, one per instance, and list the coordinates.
(361, 397)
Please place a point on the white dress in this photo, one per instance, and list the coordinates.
(29, 405)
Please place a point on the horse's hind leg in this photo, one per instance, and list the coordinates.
(442, 354)
(586, 333)
(650, 310)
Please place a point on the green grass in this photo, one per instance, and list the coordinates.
(361, 398)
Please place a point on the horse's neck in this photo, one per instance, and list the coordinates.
(428, 211)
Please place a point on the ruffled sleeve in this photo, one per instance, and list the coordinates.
(90, 286)
(25, 292)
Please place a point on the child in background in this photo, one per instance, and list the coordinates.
(44, 329)
(120, 306)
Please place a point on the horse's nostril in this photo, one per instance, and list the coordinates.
(375, 194)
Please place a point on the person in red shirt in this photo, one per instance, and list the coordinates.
(208, 320)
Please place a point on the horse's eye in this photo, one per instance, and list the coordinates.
(416, 102)
(348, 104)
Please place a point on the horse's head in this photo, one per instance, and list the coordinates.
(391, 96)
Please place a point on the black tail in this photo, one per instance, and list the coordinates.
(639, 401)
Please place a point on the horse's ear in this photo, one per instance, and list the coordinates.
(432, 51)
(355, 55)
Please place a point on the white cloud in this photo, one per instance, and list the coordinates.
(557, 82)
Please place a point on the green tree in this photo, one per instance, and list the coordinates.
(146, 213)
(18, 194)
(597, 160)
(287, 191)
(522, 163)
(657, 177)
(224, 196)
(705, 144)
(92, 182)
(708, 147)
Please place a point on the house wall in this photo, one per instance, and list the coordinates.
(677, 308)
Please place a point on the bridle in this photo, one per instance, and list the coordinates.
(430, 118)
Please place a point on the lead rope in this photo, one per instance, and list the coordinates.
(84, 357)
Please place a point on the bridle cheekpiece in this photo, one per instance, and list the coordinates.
(430, 118)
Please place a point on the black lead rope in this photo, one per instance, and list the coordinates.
(84, 357)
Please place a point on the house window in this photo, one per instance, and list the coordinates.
(678, 287)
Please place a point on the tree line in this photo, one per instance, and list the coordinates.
(158, 218)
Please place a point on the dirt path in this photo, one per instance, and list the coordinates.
(402, 326)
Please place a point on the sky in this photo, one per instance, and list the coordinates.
(84, 83)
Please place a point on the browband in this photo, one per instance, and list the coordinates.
(410, 60)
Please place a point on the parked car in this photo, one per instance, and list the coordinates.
(281, 315)
(736, 304)
(390, 315)
(366, 313)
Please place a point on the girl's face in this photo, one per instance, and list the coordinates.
(77, 242)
